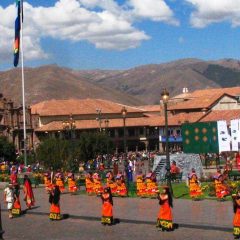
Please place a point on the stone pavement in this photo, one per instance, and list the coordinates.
(202, 220)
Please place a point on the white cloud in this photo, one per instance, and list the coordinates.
(155, 10)
(215, 11)
(103, 23)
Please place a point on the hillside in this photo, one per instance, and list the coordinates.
(146, 82)
(53, 82)
(136, 86)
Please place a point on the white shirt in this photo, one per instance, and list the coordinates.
(9, 194)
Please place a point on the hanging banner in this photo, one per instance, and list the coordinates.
(223, 137)
(200, 137)
(235, 134)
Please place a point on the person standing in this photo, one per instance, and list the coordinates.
(9, 198)
(28, 192)
(236, 219)
(107, 207)
(16, 211)
(54, 200)
(165, 219)
(195, 190)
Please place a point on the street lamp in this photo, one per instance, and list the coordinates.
(124, 115)
(69, 125)
(99, 118)
(165, 98)
(106, 121)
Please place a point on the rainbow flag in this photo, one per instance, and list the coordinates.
(17, 32)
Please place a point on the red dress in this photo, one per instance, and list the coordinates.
(107, 209)
(165, 219)
(236, 219)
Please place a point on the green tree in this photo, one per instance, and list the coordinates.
(67, 154)
(7, 149)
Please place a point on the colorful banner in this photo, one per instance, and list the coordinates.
(200, 138)
(223, 137)
(235, 134)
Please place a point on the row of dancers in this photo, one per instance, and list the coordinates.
(164, 219)
(146, 186)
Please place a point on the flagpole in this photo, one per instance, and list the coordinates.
(23, 85)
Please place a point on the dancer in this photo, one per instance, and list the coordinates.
(220, 188)
(111, 182)
(54, 200)
(28, 192)
(194, 185)
(107, 207)
(165, 220)
(89, 184)
(97, 185)
(72, 187)
(121, 186)
(141, 186)
(47, 181)
(59, 179)
(16, 211)
(152, 187)
(236, 220)
(9, 199)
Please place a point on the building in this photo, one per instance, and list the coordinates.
(11, 124)
(144, 124)
(51, 117)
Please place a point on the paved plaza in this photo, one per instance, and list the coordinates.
(206, 219)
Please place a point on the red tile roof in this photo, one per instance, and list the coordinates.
(197, 103)
(93, 124)
(150, 108)
(234, 91)
(217, 115)
(78, 107)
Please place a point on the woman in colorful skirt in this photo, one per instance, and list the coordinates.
(54, 200)
(16, 210)
(111, 182)
(121, 186)
(72, 186)
(89, 184)
(220, 188)
(236, 219)
(152, 187)
(28, 192)
(165, 220)
(107, 207)
(47, 181)
(194, 185)
(97, 185)
(59, 179)
(141, 186)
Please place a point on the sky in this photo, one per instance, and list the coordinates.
(120, 34)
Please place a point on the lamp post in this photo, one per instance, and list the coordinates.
(106, 121)
(124, 115)
(99, 118)
(165, 98)
(69, 125)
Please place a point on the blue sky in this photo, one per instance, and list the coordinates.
(110, 34)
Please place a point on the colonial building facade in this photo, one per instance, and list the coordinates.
(11, 124)
(145, 125)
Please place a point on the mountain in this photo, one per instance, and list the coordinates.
(146, 82)
(53, 82)
(137, 86)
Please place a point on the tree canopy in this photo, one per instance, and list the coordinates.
(67, 154)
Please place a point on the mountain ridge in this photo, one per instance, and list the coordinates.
(135, 86)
